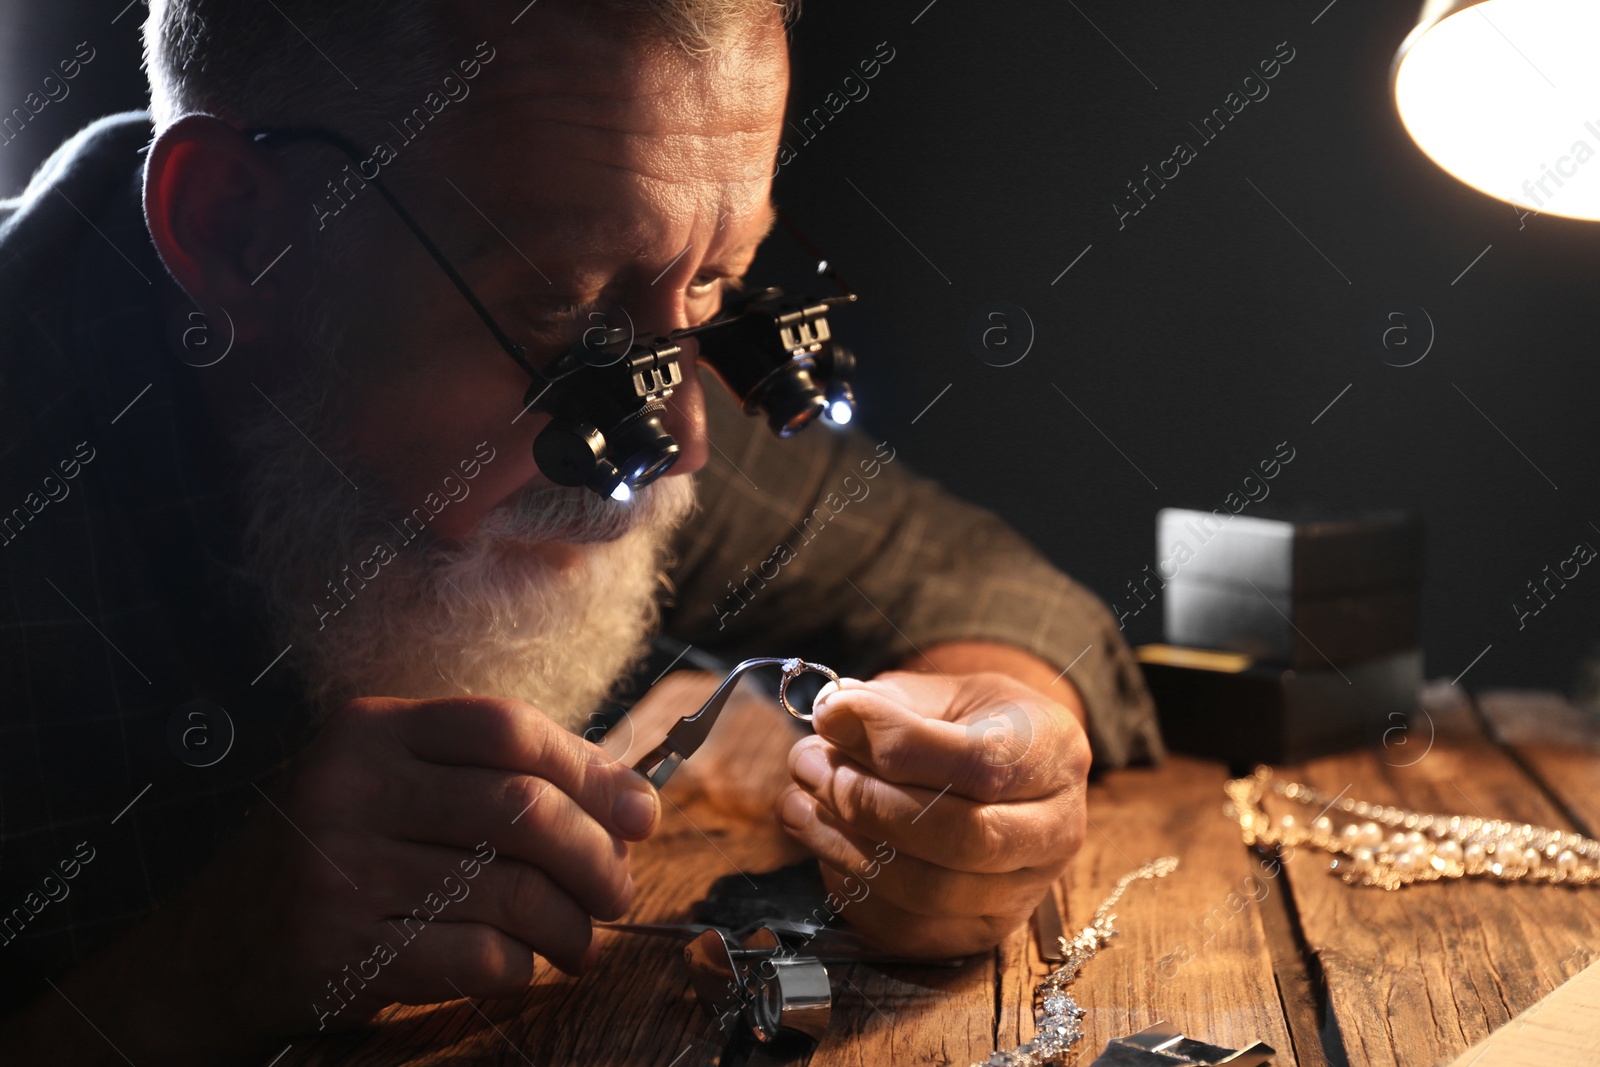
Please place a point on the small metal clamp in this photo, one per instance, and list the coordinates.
(773, 991)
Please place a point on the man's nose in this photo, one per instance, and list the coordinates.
(686, 414)
(658, 312)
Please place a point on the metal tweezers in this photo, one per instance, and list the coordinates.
(691, 731)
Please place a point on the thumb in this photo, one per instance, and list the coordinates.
(841, 710)
(926, 693)
(878, 723)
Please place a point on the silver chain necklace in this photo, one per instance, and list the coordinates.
(1056, 1012)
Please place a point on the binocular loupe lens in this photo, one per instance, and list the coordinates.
(790, 410)
(633, 454)
(644, 448)
(775, 353)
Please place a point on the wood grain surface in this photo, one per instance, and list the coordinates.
(1417, 975)
(1231, 948)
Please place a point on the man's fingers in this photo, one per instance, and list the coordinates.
(939, 825)
(522, 817)
(874, 728)
(452, 960)
(510, 735)
(916, 886)
(527, 904)
(427, 889)
(1011, 745)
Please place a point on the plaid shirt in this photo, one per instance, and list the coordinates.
(142, 697)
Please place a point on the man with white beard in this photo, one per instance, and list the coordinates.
(492, 613)
(300, 626)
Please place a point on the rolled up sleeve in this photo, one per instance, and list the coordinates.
(826, 545)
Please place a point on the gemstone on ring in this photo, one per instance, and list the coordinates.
(792, 669)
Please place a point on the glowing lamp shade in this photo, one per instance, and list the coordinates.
(1505, 95)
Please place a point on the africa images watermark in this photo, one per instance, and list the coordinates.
(852, 88)
(55, 490)
(1209, 526)
(831, 907)
(1184, 152)
(383, 953)
(1251, 890)
(1537, 190)
(455, 490)
(54, 889)
(54, 91)
(343, 189)
(785, 553)
(1582, 554)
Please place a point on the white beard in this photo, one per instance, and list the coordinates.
(489, 616)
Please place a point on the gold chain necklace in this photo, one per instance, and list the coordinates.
(1420, 848)
(1057, 1014)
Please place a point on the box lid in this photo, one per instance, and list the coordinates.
(1292, 554)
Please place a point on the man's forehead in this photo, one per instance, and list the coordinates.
(578, 70)
(580, 237)
(586, 162)
(617, 228)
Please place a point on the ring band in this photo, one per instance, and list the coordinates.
(792, 669)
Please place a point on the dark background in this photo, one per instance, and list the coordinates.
(987, 157)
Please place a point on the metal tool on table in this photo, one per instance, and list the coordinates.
(1162, 1045)
(1047, 929)
(756, 973)
(691, 731)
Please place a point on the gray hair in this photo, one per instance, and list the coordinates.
(248, 62)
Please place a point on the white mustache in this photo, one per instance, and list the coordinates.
(582, 516)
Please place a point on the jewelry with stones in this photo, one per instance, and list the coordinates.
(1056, 1012)
(792, 669)
(1392, 847)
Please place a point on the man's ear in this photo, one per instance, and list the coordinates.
(218, 210)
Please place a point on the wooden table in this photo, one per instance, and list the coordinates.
(1226, 949)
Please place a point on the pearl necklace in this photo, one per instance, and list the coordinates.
(1421, 848)
(1058, 1015)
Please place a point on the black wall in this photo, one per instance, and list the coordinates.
(36, 36)
(1201, 332)
(1191, 338)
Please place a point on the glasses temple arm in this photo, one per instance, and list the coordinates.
(823, 266)
(513, 349)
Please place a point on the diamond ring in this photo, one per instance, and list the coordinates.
(792, 669)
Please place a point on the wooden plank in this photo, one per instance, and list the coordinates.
(1556, 742)
(1299, 991)
(902, 1014)
(1418, 975)
(1562, 1028)
(1192, 948)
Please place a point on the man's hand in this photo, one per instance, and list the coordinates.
(418, 851)
(394, 796)
(975, 781)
